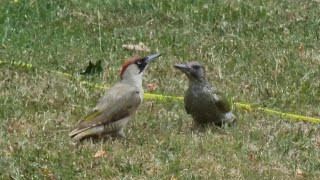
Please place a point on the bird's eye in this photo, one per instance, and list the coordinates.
(196, 66)
(139, 62)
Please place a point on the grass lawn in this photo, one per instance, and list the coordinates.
(264, 53)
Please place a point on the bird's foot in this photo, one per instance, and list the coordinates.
(119, 134)
(198, 127)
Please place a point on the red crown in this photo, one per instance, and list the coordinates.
(129, 62)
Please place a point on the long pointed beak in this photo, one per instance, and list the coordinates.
(182, 67)
(152, 57)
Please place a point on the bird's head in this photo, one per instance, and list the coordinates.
(136, 65)
(194, 70)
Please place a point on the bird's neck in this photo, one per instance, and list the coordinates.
(200, 81)
(134, 80)
(133, 77)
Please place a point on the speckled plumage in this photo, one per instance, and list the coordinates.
(202, 101)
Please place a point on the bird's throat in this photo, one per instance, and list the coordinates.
(133, 81)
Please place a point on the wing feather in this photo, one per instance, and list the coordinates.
(118, 102)
(221, 102)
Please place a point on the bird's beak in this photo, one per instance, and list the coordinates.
(182, 67)
(151, 58)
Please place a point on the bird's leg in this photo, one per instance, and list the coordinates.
(197, 126)
(120, 133)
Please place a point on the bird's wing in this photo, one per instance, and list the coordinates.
(187, 101)
(120, 101)
(220, 101)
(187, 109)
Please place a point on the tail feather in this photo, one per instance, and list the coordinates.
(78, 134)
(77, 131)
(229, 118)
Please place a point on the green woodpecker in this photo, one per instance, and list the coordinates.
(202, 101)
(114, 110)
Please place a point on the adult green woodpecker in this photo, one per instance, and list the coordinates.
(202, 101)
(116, 107)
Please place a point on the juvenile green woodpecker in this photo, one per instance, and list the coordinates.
(202, 101)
